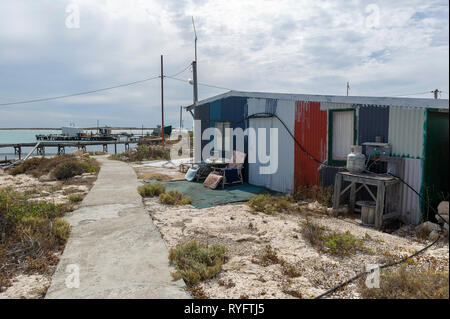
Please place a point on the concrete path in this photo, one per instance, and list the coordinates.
(115, 245)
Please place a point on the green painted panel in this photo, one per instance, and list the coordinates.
(436, 171)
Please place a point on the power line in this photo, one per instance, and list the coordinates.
(203, 84)
(176, 74)
(413, 93)
(79, 93)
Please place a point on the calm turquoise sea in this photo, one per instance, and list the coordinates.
(29, 136)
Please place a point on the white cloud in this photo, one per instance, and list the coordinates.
(284, 46)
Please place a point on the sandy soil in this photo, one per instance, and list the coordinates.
(245, 234)
(27, 287)
(35, 286)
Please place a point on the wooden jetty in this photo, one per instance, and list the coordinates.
(61, 145)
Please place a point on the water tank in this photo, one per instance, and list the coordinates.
(356, 161)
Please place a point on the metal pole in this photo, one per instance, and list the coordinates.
(162, 100)
(195, 33)
(181, 118)
(348, 87)
(194, 71)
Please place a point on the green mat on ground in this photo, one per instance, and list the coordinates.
(203, 197)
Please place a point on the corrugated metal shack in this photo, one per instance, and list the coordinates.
(326, 126)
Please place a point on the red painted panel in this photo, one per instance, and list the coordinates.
(311, 132)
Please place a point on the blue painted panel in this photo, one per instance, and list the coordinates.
(215, 110)
(271, 106)
(373, 121)
(234, 110)
(201, 112)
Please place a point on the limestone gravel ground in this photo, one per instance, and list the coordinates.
(56, 192)
(246, 234)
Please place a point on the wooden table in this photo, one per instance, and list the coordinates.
(364, 180)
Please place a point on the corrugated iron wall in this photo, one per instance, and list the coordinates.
(410, 202)
(234, 110)
(201, 112)
(373, 120)
(283, 179)
(215, 111)
(406, 131)
(311, 133)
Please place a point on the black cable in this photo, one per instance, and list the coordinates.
(80, 93)
(199, 83)
(174, 75)
(396, 262)
(265, 114)
(330, 291)
(420, 196)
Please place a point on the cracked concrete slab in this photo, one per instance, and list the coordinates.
(114, 248)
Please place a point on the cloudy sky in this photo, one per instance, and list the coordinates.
(384, 48)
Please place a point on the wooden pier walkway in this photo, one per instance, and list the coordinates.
(61, 145)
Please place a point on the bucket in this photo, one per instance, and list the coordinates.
(367, 212)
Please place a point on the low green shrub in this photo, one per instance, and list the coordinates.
(336, 243)
(343, 243)
(174, 197)
(269, 204)
(151, 190)
(70, 169)
(194, 262)
(75, 198)
(61, 229)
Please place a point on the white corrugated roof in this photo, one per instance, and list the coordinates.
(331, 99)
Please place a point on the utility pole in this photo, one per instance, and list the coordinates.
(194, 67)
(195, 85)
(181, 118)
(162, 100)
(348, 87)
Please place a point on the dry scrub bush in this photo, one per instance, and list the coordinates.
(195, 262)
(30, 235)
(174, 197)
(151, 190)
(408, 282)
(336, 243)
(57, 165)
(324, 195)
(75, 198)
(142, 153)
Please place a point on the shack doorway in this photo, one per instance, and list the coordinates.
(436, 172)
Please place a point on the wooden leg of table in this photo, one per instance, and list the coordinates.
(380, 205)
(337, 193)
(352, 198)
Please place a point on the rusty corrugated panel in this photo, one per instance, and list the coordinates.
(311, 133)
(410, 202)
(406, 131)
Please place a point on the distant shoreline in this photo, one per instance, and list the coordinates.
(83, 128)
